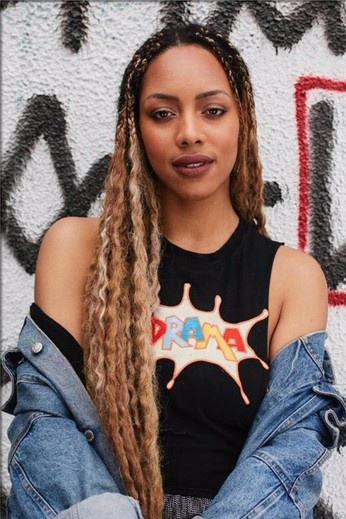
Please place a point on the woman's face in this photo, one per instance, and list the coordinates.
(189, 123)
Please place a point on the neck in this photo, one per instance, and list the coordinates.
(200, 226)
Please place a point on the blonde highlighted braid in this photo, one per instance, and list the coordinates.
(122, 288)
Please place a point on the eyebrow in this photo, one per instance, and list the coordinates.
(169, 97)
(211, 93)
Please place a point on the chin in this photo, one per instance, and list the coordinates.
(194, 196)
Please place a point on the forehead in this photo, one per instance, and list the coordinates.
(185, 67)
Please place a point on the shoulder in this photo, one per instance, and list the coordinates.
(62, 266)
(300, 289)
(70, 238)
(85, 228)
(298, 270)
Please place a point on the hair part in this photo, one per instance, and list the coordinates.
(122, 288)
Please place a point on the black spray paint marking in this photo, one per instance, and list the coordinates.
(283, 31)
(272, 193)
(342, 437)
(174, 13)
(74, 23)
(44, 116)
(8, 3)
(286, 31)
(4, 379)
(224, 15)
(323, 511)
(3, 496)
(321, 165)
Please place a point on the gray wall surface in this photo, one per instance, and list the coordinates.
(61, 69)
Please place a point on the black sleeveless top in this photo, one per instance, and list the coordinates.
(210, 341)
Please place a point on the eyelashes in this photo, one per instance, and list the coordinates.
(215, 111)
(165, 114)
(162, 114)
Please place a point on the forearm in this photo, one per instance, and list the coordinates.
(295, 430)
(272, 483)
(58, 454)
(252, 491)
(52, 466)
(104, 506)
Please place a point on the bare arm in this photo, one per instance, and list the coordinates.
(51, 403)
(61, 272)
(298, 296)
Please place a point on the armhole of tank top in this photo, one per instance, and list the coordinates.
(276, 248)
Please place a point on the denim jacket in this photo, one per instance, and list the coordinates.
(61, 466)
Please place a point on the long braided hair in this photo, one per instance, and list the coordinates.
(122, 288)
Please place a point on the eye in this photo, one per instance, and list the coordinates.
(215, 111)
(162, 114)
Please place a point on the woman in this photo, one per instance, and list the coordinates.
(184, 284)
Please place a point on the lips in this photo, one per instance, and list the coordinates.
(192, 166)
(192, 161)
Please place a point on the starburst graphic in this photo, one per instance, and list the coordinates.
(185, 335)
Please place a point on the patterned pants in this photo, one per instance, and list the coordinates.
(184, 507)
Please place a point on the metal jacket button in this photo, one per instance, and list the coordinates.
(89, 435)
(37, 347)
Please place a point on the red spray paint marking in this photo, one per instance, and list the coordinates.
(302, 87)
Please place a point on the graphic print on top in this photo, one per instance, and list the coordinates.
(185, 335)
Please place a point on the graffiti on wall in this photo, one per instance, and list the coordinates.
(315, 172)
(283, 31)
(45, 117)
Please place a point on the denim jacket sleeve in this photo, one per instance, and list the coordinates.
(60, 465)
(294, 432)
(58, 455)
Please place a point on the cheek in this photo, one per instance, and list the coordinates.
(235, 137)
(226, 136)
(150, 149)
(152, 152)
(154, 145)
(229, 147)
(146, 134)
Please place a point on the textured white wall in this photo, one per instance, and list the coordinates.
(85, 83)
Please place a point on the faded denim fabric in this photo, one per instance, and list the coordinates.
(294, 432)
(104, 506)
(74, 475)
(59, 455)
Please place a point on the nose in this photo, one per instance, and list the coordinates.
(189, 130)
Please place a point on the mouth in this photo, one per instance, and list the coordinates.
(195, 165)
(192, 165)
